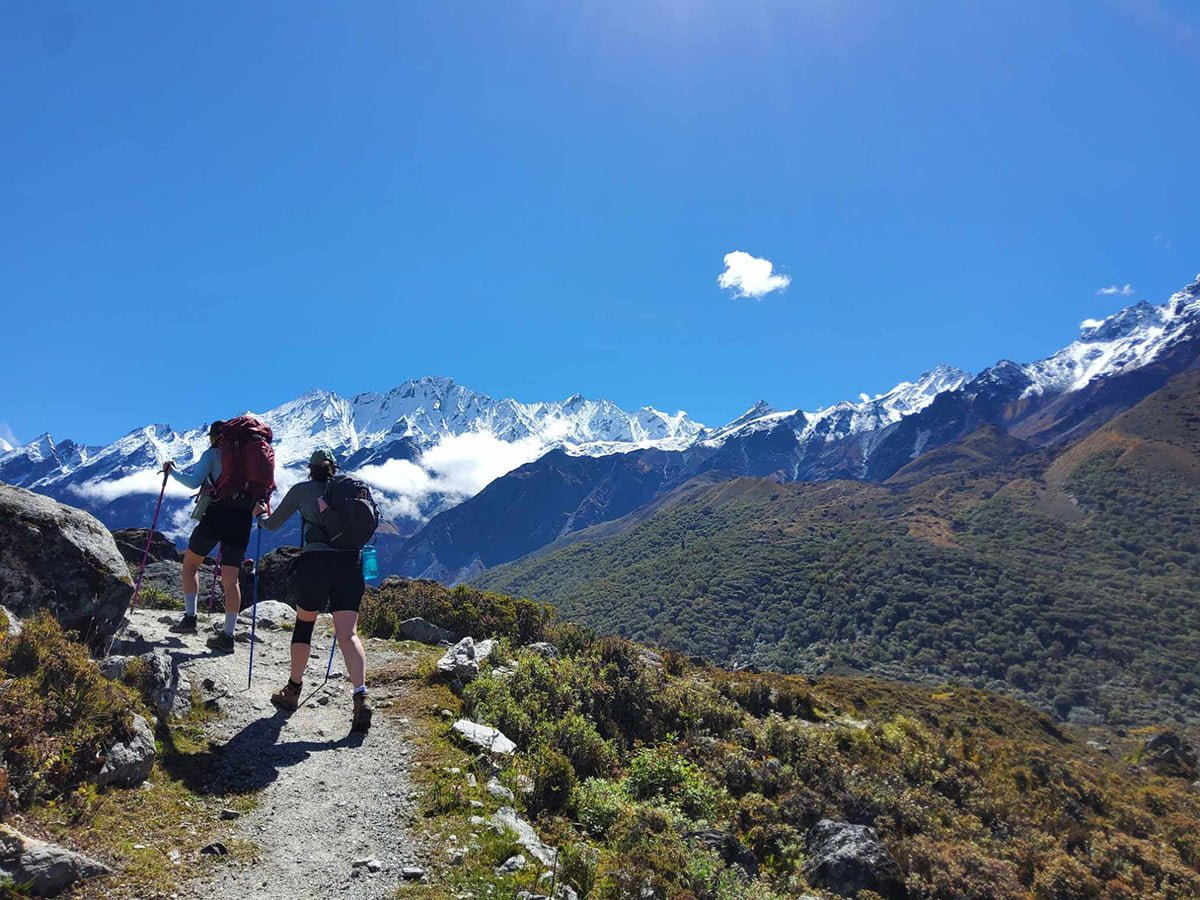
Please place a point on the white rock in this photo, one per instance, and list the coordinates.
(271, 614)
(484, 736)
(497, 790)
(506, 818)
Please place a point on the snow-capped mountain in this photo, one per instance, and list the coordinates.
(431, 444)
(1126, 340)
(369, 432)
(5, 446)
(1114, 364)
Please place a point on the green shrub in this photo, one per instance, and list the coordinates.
(463, 610)
(554, 781)
(578, 740)
(661, 773)
(598, 804)
(58, 714)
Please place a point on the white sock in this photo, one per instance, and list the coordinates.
(230, 622)
(361, 689)
(189, 604)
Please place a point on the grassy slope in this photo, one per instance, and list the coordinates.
(1073, 579)
(975, 795)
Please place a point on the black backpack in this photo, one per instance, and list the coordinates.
(351, 516)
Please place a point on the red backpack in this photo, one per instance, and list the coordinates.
(247, 460)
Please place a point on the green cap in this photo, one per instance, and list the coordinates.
(322, 457)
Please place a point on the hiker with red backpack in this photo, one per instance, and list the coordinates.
(339, 517)
(236, 472)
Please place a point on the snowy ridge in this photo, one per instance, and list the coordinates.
(427, 413)
(431, 443)
(847, 419)
(1126, 340)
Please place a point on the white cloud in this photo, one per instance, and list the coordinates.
(749, 276)
(8, 440)
(145, 482)
(1125, 290)
(458, 467)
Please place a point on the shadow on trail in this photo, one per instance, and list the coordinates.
(247, 762)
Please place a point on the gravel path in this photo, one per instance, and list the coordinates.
(327, 798)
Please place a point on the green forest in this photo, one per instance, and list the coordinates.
(1069, 577)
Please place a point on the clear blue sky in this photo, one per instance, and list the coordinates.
(212, 206)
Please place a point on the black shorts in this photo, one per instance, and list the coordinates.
(329, 577)
(226, 524)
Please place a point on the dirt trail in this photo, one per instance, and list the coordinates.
(327, 798)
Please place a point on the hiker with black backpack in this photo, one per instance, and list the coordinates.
(339, 517)
(232, 475)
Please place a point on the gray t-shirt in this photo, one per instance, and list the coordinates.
(303, 497)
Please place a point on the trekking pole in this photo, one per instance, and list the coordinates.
(329, 665)
(212, 592)
(254, 608)
(137, 588)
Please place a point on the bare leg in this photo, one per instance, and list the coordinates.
(233, 590)
(191, 572)
(345, 622)
(301, 652)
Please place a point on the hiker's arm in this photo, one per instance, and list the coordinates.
(288, 505)
(195, 476)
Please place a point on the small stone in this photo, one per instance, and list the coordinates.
(216, 848)
(228, 814)
(512, 864)
(412, 873)
(497, 790)
(476, 804)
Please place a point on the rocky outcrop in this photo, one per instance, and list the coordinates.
(275, 572)
(417, 629)
(131, 543)
(60, 558)
(462, 660)
(129, 763)
(168, 688)
(44, 870)
(1167, 754)
(847, 859)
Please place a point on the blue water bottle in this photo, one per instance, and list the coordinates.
(370, 564)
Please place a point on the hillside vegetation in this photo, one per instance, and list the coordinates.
(1072, 578)
(636, 764)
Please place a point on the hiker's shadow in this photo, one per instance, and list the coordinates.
(248, 761)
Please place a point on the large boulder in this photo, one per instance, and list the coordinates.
(129, 763)
(417, 629)
(131, 543)
(270, 614)
(275, 571)
(44, 870)
(846, 859)
(58, 557)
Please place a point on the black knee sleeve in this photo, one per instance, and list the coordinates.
(302, 633)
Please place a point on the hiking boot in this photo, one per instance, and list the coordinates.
(362, 713)
(220, 641)
(288, 696)
(186, 625)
